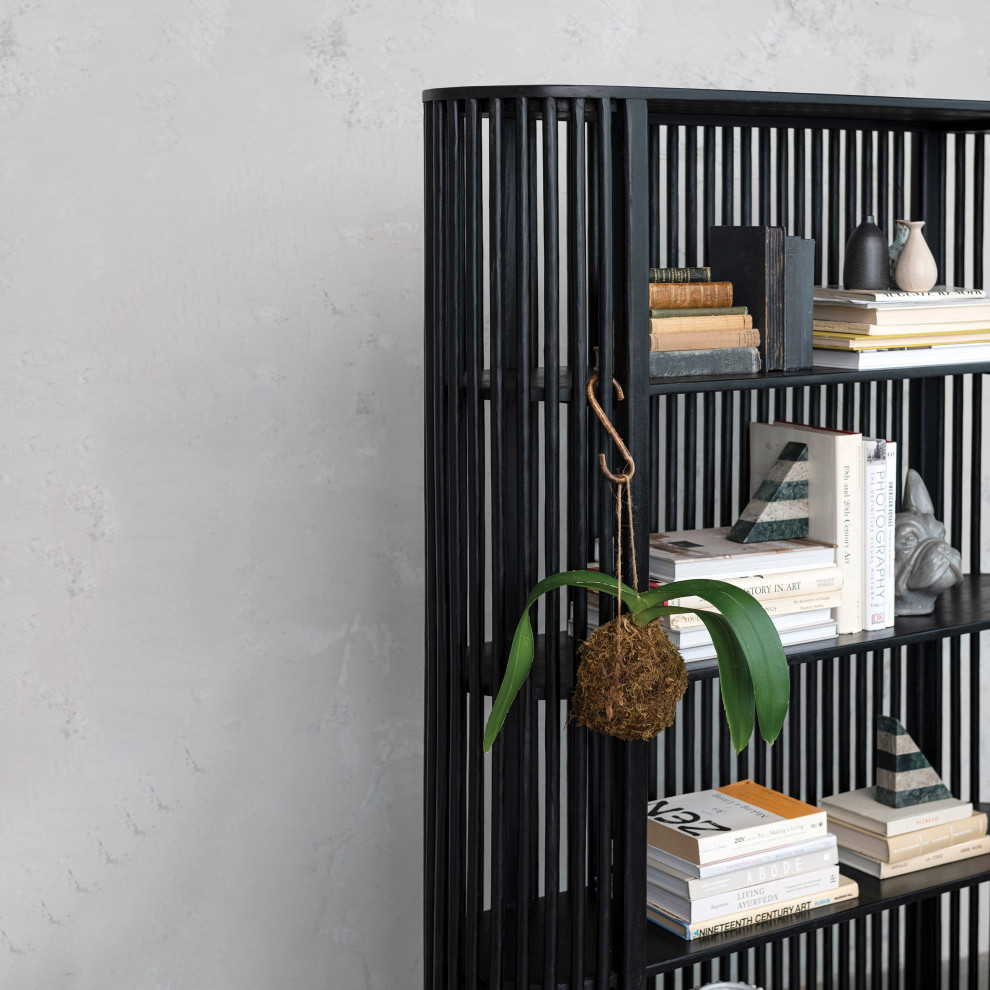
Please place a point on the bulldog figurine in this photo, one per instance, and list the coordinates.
(924, 564)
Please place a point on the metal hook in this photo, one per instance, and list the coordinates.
(613, 433)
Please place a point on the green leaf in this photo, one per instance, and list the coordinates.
(521, 652)
(735, 683)
(759, 651)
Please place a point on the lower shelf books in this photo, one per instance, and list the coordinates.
(888, 842)
(846, 890)
(704, 908)
(948, 854)
(862, 809)
(708, 826)
(679, 870)
(909, 845)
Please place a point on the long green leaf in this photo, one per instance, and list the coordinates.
(735, 683)
(521, 652)
(758, 642)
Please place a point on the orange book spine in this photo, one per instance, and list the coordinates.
(684, 295)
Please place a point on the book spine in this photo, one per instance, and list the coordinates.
(762, 873)
(690, 295)
(850, 549)
(875, 587)
(772, 606)
(668, 275)
(846, 891)
(687, 312)
(786, 584)
(697, 909)
(720, 361)
(704, 339)
(672, 325)
(949, 854)
(892, 486)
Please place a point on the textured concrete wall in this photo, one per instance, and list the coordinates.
(210, 447)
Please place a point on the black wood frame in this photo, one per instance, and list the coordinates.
(544, 207)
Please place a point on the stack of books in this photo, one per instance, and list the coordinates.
(888, 842)
(859, 328)
(695, 329)
(736, 856)
(797, 581)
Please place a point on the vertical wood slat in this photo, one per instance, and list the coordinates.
(631, 162)
(603, 786)
(476, 495)
(579, 544)
(834, 239)
(522, 727)
(551, 540)
(433, 192)
(500, 191)
(455, 539)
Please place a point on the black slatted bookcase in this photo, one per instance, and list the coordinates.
(544, 208)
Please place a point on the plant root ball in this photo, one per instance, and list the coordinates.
(629, 680)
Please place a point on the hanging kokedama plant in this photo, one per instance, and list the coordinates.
(630, 676)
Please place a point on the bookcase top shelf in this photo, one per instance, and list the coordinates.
(753, 107)
(741, 382)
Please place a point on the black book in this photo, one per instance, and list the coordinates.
(773, 276)
(799, 291)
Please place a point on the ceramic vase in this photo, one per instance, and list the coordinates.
(866, 264)
(916, 270)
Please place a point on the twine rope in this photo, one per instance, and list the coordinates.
(621, 484)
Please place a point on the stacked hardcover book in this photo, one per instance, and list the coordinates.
(887, 842)
(796, 580)
(694, 327)
(736, 856)
(859, 328)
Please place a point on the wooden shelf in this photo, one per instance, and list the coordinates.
(728, 383)
(959, 611)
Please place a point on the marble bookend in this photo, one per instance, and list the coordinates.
(779, 508)
(904, 776)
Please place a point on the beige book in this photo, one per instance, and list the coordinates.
(908, 845)
(772, 606)
(847, 890)
(883, 871)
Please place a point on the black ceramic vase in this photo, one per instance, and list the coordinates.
(867, 261)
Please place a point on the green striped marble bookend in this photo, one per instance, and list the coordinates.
(903, 774)
(779, 509)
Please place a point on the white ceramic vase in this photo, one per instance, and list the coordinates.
(916, 270)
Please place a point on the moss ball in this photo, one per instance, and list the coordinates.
(629, 680)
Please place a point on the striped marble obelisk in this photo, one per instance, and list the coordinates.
(903, 774)
(779, 508)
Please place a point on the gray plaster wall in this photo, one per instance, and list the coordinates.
(211, 551)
